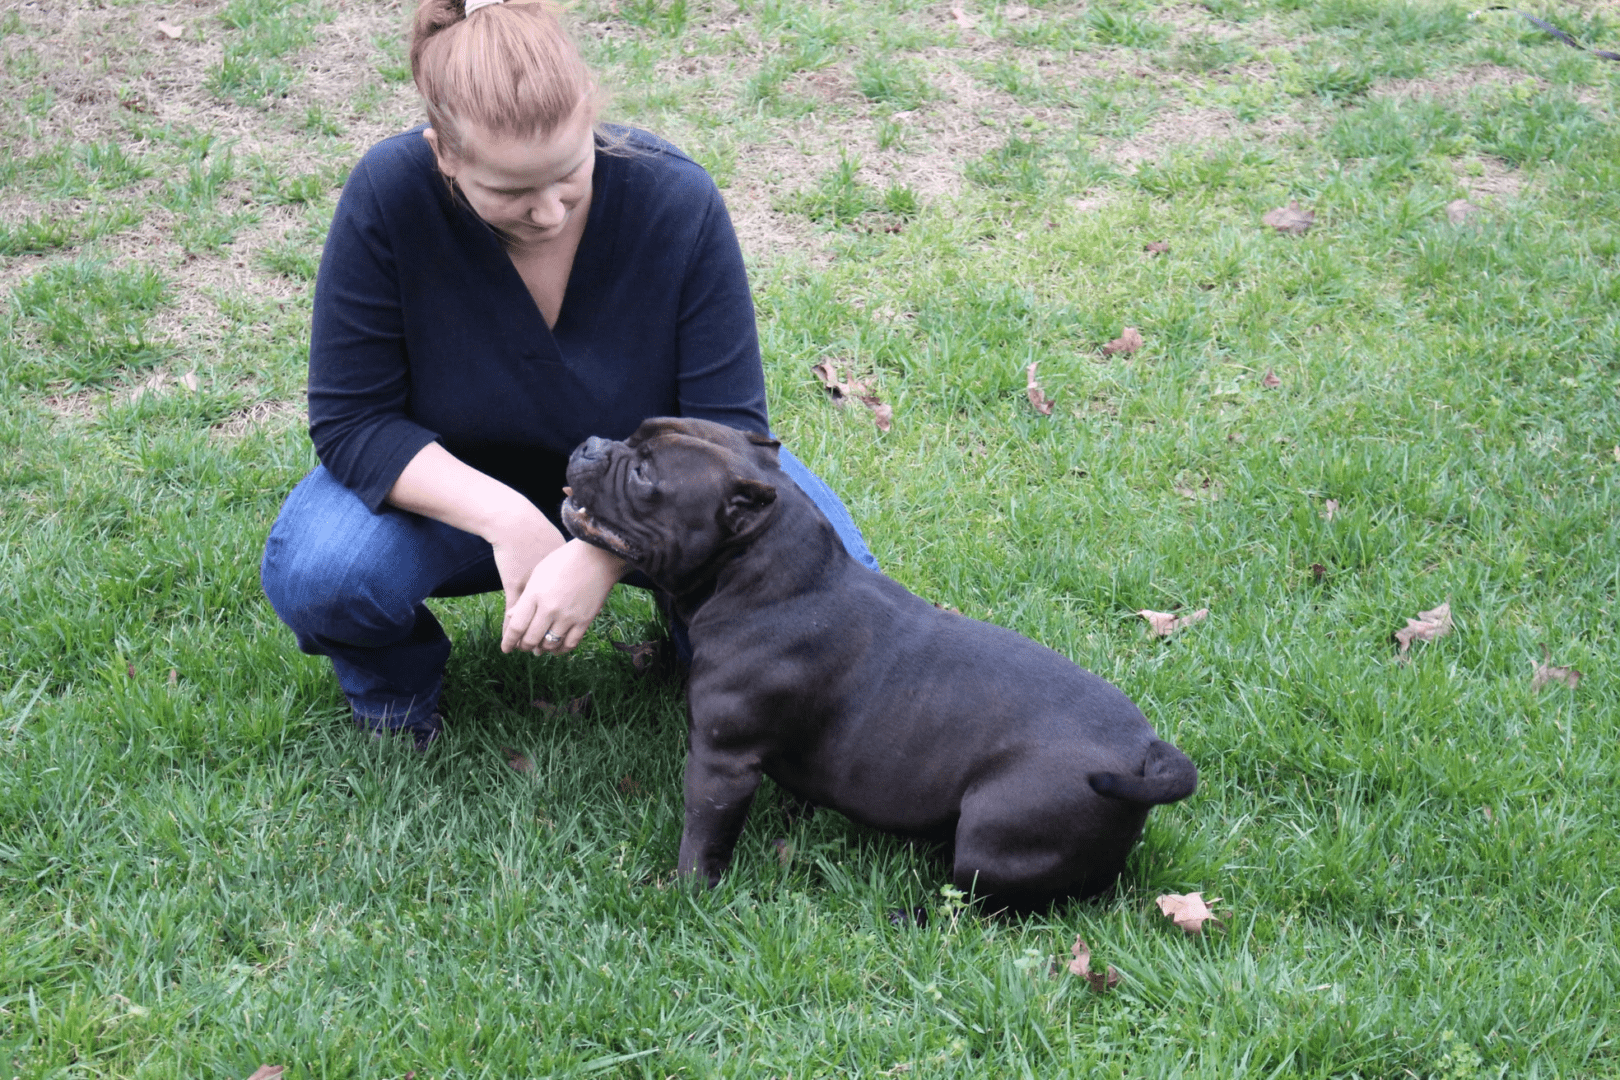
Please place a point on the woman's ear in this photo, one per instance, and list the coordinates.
(447, 162)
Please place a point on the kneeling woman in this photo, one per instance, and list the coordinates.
(495, 288)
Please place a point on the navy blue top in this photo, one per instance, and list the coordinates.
(424, 330)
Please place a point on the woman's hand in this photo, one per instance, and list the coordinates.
(559, 600)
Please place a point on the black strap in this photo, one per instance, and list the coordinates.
(1559, 34)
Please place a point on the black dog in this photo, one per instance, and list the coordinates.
(853, 693)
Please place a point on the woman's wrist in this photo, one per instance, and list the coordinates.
(610, 566)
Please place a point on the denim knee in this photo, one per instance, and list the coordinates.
(332, 595)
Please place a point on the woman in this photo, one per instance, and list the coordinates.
(496, 287)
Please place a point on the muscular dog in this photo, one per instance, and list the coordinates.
(853, 693)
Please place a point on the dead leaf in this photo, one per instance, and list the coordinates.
(130, 671)
(784, 850)
(1329, 508)
(174, 676)
(268, 1072)
(1206, 488)
(882, 415)
(1319, 570)
(172, 31)
(1290, 219)
(1458, 211)
(1032, 389)
(1189, 911)
(189, 381)
(1429, 625)
(1486, 810)
(643, 655)
(581, 705)
(963, 19)
(1102, 982)
(152, 385)
(628, 786)
(1165, 623)
(1127, 343)
(1014, 11)
(1157, 247)
(1269, 380)
(542, 704)
(517, 762)
(858, 389)
(1546, 673)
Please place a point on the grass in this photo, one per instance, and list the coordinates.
(203, 868)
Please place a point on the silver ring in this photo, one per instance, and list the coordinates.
(549, 636)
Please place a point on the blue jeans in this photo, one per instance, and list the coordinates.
(351, 585)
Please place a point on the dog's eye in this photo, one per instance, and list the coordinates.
(639, 475)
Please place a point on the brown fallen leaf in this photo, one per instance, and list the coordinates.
(857, 389)
(1100, 981)
(1290, 219)
(1329, 508)
(784, 850)
(268, 1072)
(153, 384)
(1429, 625)
(189, 381)
(1459, 211)
(963, 19)
(882, 415)
(1486, 810)
(1014, 11)
(1157, 247)
(130, 671)
(516, 761)
(1269, 380)
(1188, 911)
(1165, 623)
(1319, 570)
(1546, 673)
(628, 786)
(1032, 389)
(174, 676)
(581, 705)
(170, 30)
(1127, 343)
(643, 655)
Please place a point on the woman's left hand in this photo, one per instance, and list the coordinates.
(562, 596)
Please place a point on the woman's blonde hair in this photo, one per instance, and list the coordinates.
(509, 69)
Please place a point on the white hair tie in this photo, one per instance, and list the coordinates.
(474, 5)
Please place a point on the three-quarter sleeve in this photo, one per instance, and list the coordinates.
(719, 376)
(359, 372)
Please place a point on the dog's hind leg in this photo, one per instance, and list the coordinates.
(1020, 847)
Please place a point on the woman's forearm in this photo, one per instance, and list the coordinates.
(438, 485)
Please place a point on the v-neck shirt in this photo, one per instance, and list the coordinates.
(424, 330)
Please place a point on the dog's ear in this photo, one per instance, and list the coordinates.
(746, 506)
(765, 447)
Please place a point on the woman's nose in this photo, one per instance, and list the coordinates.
(547, 212)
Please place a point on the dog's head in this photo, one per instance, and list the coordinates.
(674, 497)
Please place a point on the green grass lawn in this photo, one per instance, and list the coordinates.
(204, 868)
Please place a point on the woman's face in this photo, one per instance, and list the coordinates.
(531, 189)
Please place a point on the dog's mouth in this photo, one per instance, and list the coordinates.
(584, 525)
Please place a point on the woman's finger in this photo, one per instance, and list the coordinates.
(515, 627)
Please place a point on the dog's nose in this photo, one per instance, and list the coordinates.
(592, 449)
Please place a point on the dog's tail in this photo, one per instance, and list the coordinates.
(1168, 776)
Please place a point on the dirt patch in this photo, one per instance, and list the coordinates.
(1454, 84)
(1167, 133)
(77, 407)
(260, 415)
(1485, 179)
